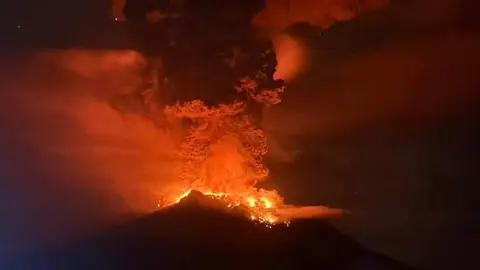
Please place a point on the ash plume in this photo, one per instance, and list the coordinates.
(414, 67)
(293, 54)
(278, 15)
(71, 161)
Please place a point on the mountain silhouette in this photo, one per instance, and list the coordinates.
(197, 233)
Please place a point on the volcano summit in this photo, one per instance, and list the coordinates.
(197, 233)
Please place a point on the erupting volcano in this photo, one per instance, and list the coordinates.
(222, 158)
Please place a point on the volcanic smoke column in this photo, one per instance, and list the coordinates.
(222, 157)
(223, 150)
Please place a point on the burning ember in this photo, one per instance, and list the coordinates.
(222, 158)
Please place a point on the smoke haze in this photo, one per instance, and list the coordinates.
(387, 116)
(384, 67)
(71, 161)
(278, 15)
(415, 80)
(402, 66)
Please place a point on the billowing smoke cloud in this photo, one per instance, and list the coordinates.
(69, 160)
(278, 15)
(387, 98)
(292, 57)
(415, 68)
(415, 81)
(281, 14)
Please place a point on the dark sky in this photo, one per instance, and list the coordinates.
(391, 124)
(385, 124)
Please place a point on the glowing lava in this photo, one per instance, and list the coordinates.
(260, 210)
(222, 153)
(222, 157)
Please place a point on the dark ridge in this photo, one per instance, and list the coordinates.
(193, 235)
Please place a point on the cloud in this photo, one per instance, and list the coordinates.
(293, 55)
(71, 161)
(369, 71)
(281, 14)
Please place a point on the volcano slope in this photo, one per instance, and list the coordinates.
(197, 233)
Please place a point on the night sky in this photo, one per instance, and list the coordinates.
(384, 124)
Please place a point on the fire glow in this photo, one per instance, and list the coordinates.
(221, 157)
(259, 210)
